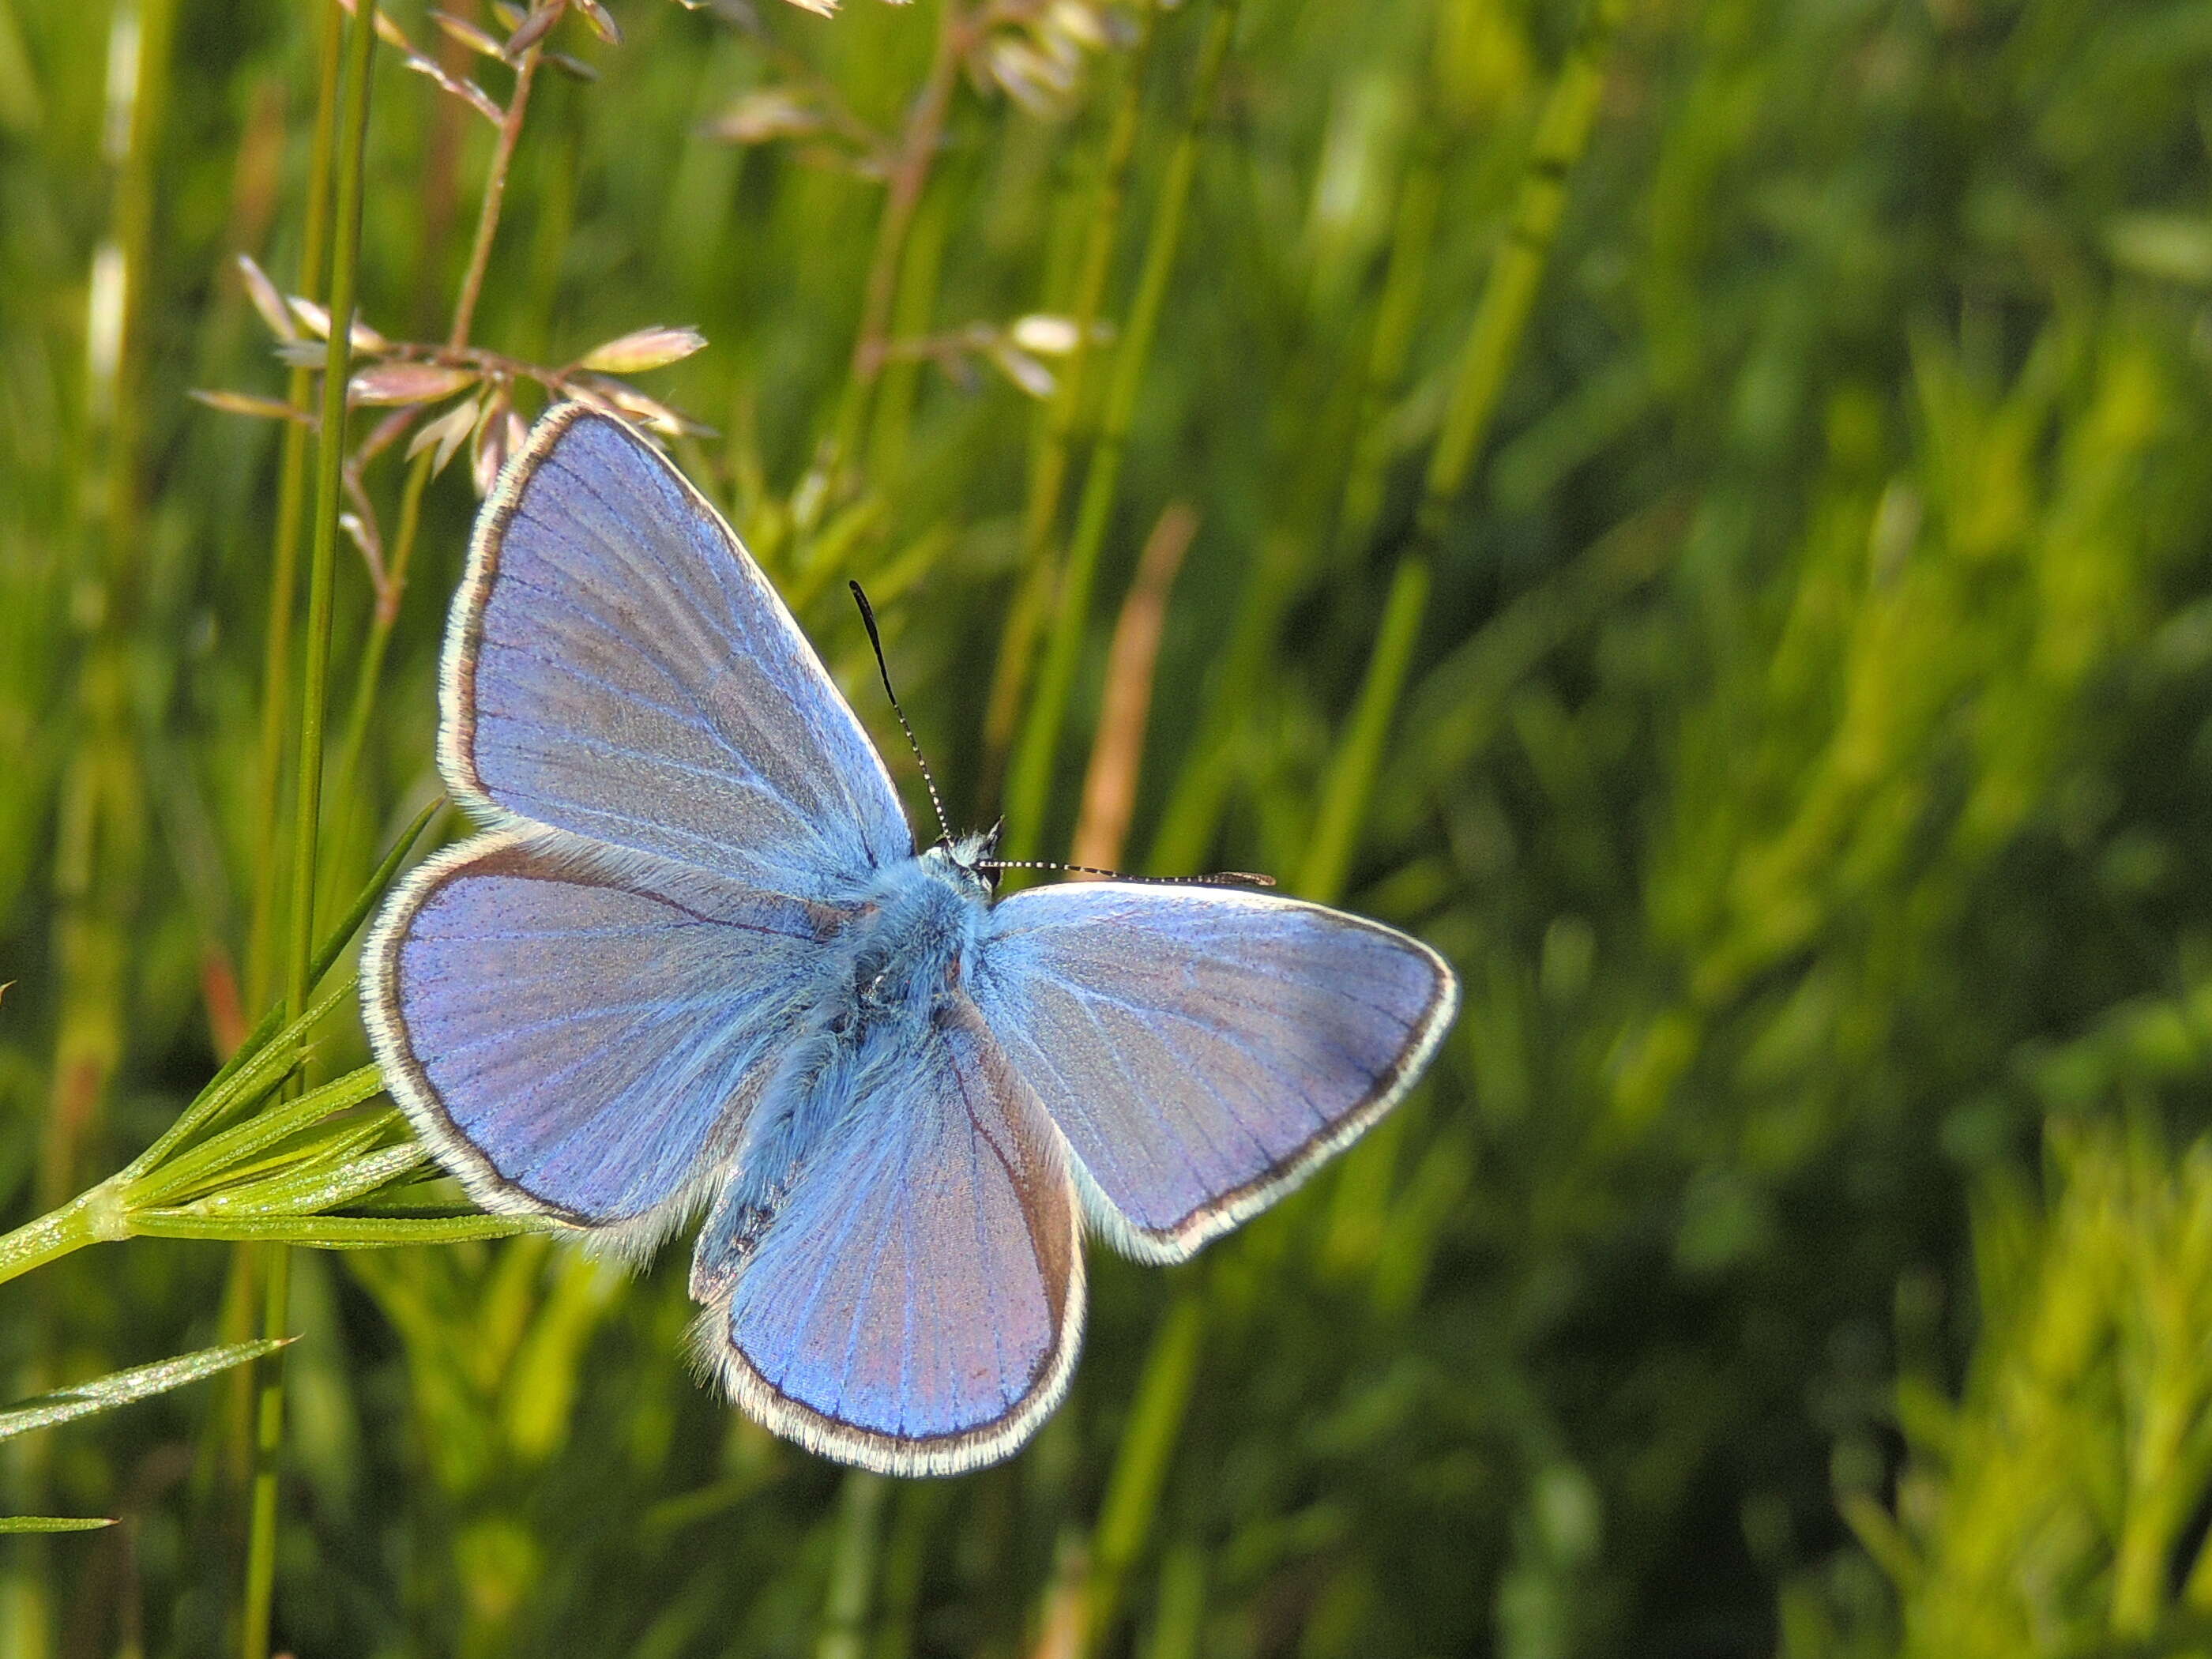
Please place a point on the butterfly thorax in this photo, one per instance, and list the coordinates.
(904, 954)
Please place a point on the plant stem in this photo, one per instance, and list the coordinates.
(369, 676)
(1048, 477)
(1501, 317)
(1141, 1465)
(852, 1576)
(1493, 339)
(1179, 1607)
(91, 1218)
(329, 470)
(385, 616)
(494, 197)
(1039, 748)
(909, 176)
(1390, 345)
(284, 566)
(1492, 342)
(1351, 782)
(315, 673)
(263, 922)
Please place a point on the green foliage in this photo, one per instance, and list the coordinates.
(2057, 1505)
(121, 1388)
(1701, 513)
(105, 1393)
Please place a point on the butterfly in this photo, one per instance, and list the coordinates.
(694, 960)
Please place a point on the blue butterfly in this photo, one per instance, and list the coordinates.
(695, 960)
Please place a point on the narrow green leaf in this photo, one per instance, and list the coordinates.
(240, 1141)
(256, 1041)
(121, 1388)
(403, 1207)
(350, 924)
(54, 1522)
(336, 1232)
(318, 1187)
(255, 1077)
(321, 1145)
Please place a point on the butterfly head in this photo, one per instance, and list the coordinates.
(970, 856)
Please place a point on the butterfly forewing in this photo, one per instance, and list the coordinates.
(574, 1008)
(1202, 1047)
(617, 667)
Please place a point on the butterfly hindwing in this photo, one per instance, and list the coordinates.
(915, 1302)
(618, 667)
(1203, 1047)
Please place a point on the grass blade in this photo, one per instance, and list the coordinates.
(372, 890)
(263, 1070)
(318, 1187)
(1031, 784)
(121, 1388)
(263, 1129)
(1352, 774)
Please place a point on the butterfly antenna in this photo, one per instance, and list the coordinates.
(875, 639)
(1218, 878)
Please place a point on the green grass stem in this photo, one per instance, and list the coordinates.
(277, 708)
(1037, 752)
(919, 140)
(1349, 783)
(1390, 345)
(368, 674)
(315, 673)
(384, 616)
(265, 924)
(88, 1219)
(1501, 316)
(1131, 1507)
(1208, 774)
(1179, 1612)
(1049, 473)
(853, 1573)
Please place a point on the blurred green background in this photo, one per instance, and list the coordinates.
(1700, 511)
